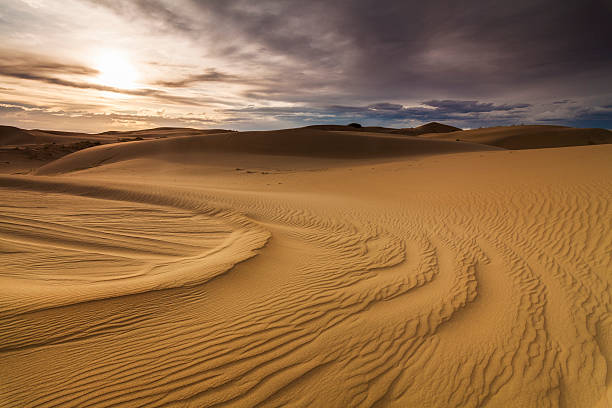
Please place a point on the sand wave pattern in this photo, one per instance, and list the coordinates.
(446, 300)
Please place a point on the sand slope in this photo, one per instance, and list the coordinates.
(463, 279)
(529, 137)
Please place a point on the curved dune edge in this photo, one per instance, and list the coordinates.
(159, 272)
(303, 143)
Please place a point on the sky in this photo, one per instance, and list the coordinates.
(97, 65)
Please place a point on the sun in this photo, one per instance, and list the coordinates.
(115, 70)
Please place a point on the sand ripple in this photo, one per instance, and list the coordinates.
(497, 297)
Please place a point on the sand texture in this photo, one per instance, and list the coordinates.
(308, 268)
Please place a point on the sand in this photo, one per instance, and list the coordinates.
(529, 137)
(24, 151)
(342, 269)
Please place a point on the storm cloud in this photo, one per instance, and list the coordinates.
(394, 62)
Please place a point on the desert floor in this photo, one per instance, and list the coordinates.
(430, 273)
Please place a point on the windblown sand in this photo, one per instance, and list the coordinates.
(345, 269)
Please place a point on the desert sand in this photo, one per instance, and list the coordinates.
(314, 267)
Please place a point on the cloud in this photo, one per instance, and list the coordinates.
(597, 115)
(156, 12)
(22, 105)
(10, 108)
(23, 65)
(471, 63)
(50, 117)
(37, 68)
(390, 114)
(211, 75)
(406, 49)
(472, 106)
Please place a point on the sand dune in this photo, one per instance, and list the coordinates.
(163, 132)
(433, 127)
(304, 142)
(529, 137)
(23, 151)
(13, 136)
(381, 271)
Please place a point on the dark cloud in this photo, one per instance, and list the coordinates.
(459, 112)
(210, 75)
(578, 115)
(320, 51)
(11, 108)
(472, 106)
(405, 48)
(159, 14)
(22, 65)
(594, 114)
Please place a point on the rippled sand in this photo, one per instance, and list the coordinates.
(463, 279)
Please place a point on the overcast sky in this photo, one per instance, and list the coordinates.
(95, 65)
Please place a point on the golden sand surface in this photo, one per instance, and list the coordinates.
(339, 269)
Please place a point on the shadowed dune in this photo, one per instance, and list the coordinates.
(529, 137)
(12, 136)
(418, 273)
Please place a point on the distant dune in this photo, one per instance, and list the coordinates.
(433, 127)
(30, 149)
(22, 151)
(13, 136)
(163, 132)
(371, 129)
(302, 142)
(529, 137)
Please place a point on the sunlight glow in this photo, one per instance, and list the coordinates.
(116, 70)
